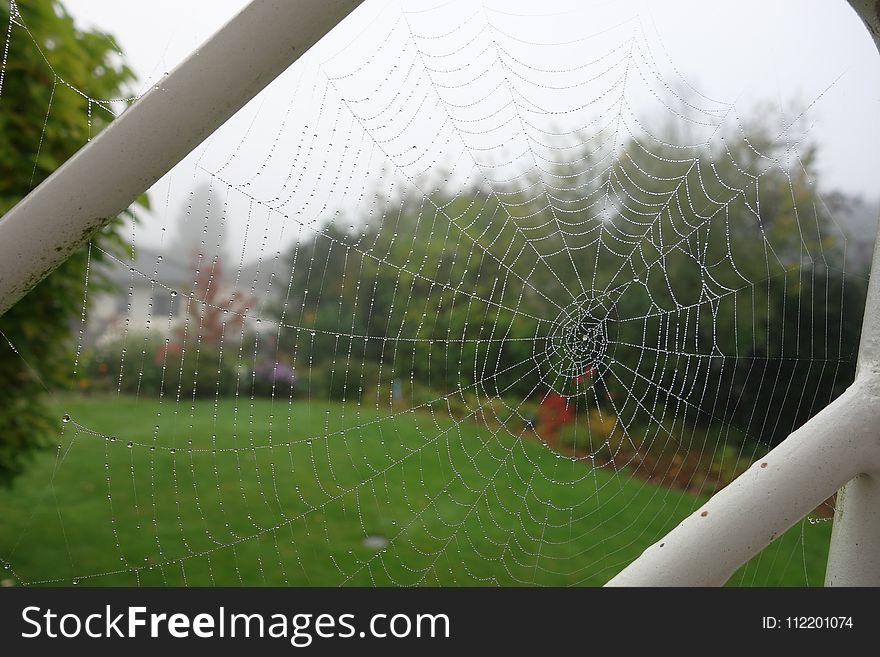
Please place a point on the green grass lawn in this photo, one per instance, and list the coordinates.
(156, 492)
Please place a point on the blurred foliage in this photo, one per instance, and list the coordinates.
(719, 268)
(52, 72)
(273, 379)
(594, 435)
(342, 379)
(141, 365)
(214, 313)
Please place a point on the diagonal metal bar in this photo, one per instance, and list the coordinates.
(155, 133)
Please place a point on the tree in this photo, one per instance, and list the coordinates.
(54, 80)
(214, 315)
(717, 267)
(739, 287)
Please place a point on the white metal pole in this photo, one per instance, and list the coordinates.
(840, 444)
(854, 554)
(154, 134)
(771, 496)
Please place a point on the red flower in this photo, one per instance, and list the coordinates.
(586, 376)
(553, 413)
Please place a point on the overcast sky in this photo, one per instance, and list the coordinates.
(790, 54)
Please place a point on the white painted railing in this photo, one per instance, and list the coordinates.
(840, 446)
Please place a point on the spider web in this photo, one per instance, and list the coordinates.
(476, 296)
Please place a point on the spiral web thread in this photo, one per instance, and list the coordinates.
(461, 214)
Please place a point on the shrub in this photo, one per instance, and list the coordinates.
(592, 433)
(149, 366)
(273, 378)
(346, 380)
